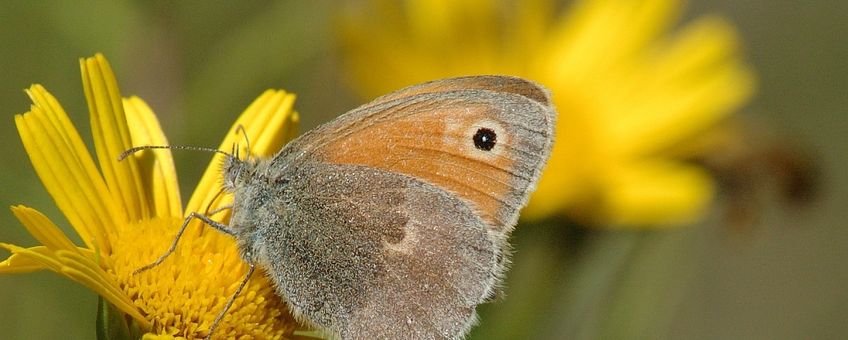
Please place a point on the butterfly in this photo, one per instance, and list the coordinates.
(391, 221)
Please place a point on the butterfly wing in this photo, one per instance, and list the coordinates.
(484, 139)
(370, 254)
(401, 207)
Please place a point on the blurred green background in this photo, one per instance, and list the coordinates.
(198, 65)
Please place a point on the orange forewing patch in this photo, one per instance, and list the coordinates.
(436, 149)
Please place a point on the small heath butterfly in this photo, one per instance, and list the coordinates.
(391, 221)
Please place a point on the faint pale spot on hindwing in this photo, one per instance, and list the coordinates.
(338, 260)
(432, 287)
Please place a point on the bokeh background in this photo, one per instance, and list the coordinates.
(780, 274)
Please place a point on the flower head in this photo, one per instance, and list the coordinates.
(631, 98)
(127, 213)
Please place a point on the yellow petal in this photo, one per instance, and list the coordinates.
(17, 263)
(156, 166)
(66, 168)
(76, 265)
(40, 227)
(84, 270)
(22, 263)
(30, 256)
(281, 114)
(112, 137)
(657, 193)
(597, 35)
(698, 81)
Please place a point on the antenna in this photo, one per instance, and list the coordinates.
(241, 129)
(133, 150)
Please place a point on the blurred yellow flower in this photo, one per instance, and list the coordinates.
(632, 98)
(127, 213)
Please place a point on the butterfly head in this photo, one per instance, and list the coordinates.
(237, 172)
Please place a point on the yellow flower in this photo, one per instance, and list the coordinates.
(632, 99)
(127, 213)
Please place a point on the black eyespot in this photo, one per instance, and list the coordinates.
(485, 139)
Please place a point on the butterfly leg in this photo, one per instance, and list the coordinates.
(231, 300)
(215, 224)
(215, 211)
